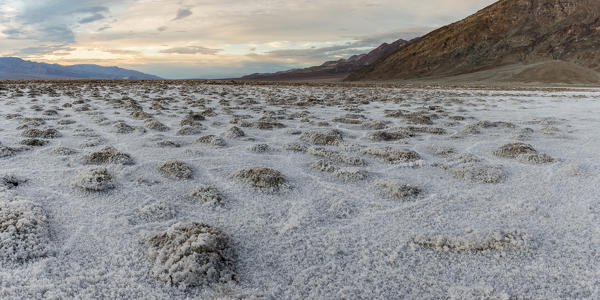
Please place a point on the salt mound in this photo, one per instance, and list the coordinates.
(11, 182)
(44, 134)
(108, 155)
(441, 150)
(350, 174)
(7, 151)
(34, 142)
(49, 112)
(380, 136)
(419, 118)
(267, 125)
(393, 156)
(571, 170)
(207, 195)
(296, 147)
(93, 142)
(176, 169)
(211, 140)
(523, 152)
(495, 124)
(477, 172)
(141, 115)
(341, 209)
(336, 156)
(375, 125)
(156, 212)
(331, 137)
(94, 179)
(24, 231)
(476, 293)
(430, 130)
(535, 158)
(475, 242)
(475, 128)
(470, 168)
(235, 132)
(324, 166)
(190, 254)
(168, 144)
(259, 148)
(399, 191)
(261, 178)
(155, 125)
(292, 131)
(31, 122)
(191, 118)
(514, 150)
(347, 120)
(63, 151)
(189, 130)
(122, 127)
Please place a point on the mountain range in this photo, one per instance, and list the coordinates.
(525, 40)
(332, 70)
(16, 68)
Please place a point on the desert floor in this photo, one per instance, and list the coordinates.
(303, 192)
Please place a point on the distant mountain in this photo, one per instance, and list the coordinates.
(523, 33)
(331, 69)
(16, 68)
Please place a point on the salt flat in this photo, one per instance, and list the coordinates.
(303, 192)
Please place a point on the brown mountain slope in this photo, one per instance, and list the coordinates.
(506, 32)
(331, 69)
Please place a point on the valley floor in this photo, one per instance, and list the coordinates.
(371, 193)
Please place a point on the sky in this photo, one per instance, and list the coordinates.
(214, 38)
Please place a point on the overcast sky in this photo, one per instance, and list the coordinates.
(214, 38)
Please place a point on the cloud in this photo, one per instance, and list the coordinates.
(191, 50)
(41, 50)
(122, 51)
(92, 18)
(161, 28)
(13, 33)
(97, 13)
(182, 13)
(92, 10)
(58, 33)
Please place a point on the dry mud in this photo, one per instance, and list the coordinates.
(189, 190)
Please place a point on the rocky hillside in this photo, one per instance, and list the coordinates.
(331, 69)
(16, 68)
(505, 33)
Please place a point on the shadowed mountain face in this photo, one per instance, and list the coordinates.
(16, 68)
(331, 69)
(507, 32)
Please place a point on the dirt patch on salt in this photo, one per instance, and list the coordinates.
(475, 242)
(108, 155)
(524, 153)
(176, 169)
(24, 231)
(262, 178)
(94, 179)
(190, 254)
